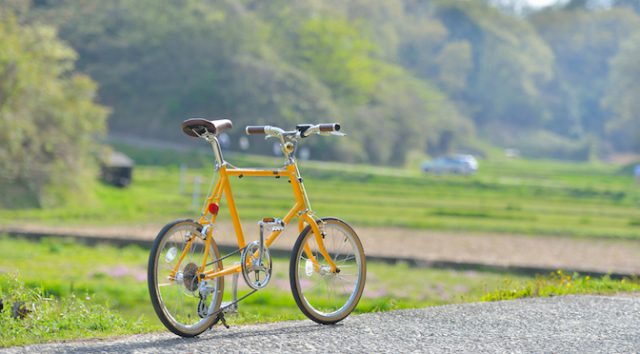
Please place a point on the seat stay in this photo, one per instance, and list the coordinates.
(186, 249)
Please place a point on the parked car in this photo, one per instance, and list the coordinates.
(457, 164)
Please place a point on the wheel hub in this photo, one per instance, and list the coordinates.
(190, 276)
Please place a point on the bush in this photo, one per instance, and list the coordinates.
(48, 118)
(44, 318)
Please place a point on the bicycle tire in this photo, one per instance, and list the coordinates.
(167, 316)
(300, 276)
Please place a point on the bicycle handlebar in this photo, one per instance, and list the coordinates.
(255, 129)
(329, 127)
(263, 129)
(324, 128)
(305, 130)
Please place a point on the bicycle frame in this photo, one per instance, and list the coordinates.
(301, 209)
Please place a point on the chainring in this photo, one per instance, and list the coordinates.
(256, 270)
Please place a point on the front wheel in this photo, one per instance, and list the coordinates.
(323, 295)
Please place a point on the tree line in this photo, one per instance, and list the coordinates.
(428, 75)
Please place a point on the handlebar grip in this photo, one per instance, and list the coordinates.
(329, 127)
(255, 129)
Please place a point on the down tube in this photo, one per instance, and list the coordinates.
(287, 219)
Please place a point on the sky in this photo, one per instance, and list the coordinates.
(541, 3)
(518, 5)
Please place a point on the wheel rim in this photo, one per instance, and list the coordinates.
(330, 295)
(179, 299)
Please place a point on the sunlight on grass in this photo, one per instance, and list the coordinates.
(559, 283)
(77, 291)
(30, 315)
(115, 278)
(512, 196)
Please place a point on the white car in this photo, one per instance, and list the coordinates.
(457, 164)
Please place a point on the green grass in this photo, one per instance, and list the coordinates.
(114, 279)
(42, 318)
(507, 196)
(511, 196)
(76, 291)
(559, 283)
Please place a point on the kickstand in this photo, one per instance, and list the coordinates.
(222, 320)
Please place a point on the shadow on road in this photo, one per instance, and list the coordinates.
(207, 341)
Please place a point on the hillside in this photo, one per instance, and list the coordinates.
(408, 75)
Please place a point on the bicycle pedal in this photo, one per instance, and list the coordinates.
(274, 223)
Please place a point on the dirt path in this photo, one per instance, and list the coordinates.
(500, 250)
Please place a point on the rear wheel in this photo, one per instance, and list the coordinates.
(181, 301)
(322, 295)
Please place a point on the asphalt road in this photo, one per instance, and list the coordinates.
(574, 324)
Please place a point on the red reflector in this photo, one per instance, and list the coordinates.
(213, 208)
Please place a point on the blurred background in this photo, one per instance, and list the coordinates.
(488, 141)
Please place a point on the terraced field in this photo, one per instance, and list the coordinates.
(510, 196)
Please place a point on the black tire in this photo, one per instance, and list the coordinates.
(166, 315)
(310, 304)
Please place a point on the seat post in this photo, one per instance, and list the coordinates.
(217, 151)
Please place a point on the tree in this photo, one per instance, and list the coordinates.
(336, 52)
(48, 117)
(583, 43)
(416, 72)
(511, 63)
(621, 101)
(454, 63)
(156, 63)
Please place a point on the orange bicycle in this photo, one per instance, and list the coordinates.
(327, 270)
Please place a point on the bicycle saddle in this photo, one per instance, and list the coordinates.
(197, 126)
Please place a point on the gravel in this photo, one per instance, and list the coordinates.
(571, 324)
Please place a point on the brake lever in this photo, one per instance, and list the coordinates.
(333, 133)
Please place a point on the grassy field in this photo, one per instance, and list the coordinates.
(510, 196)
(559, 283)
(31, 315)
(115, 278)
(75, 291)
(101, 291)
